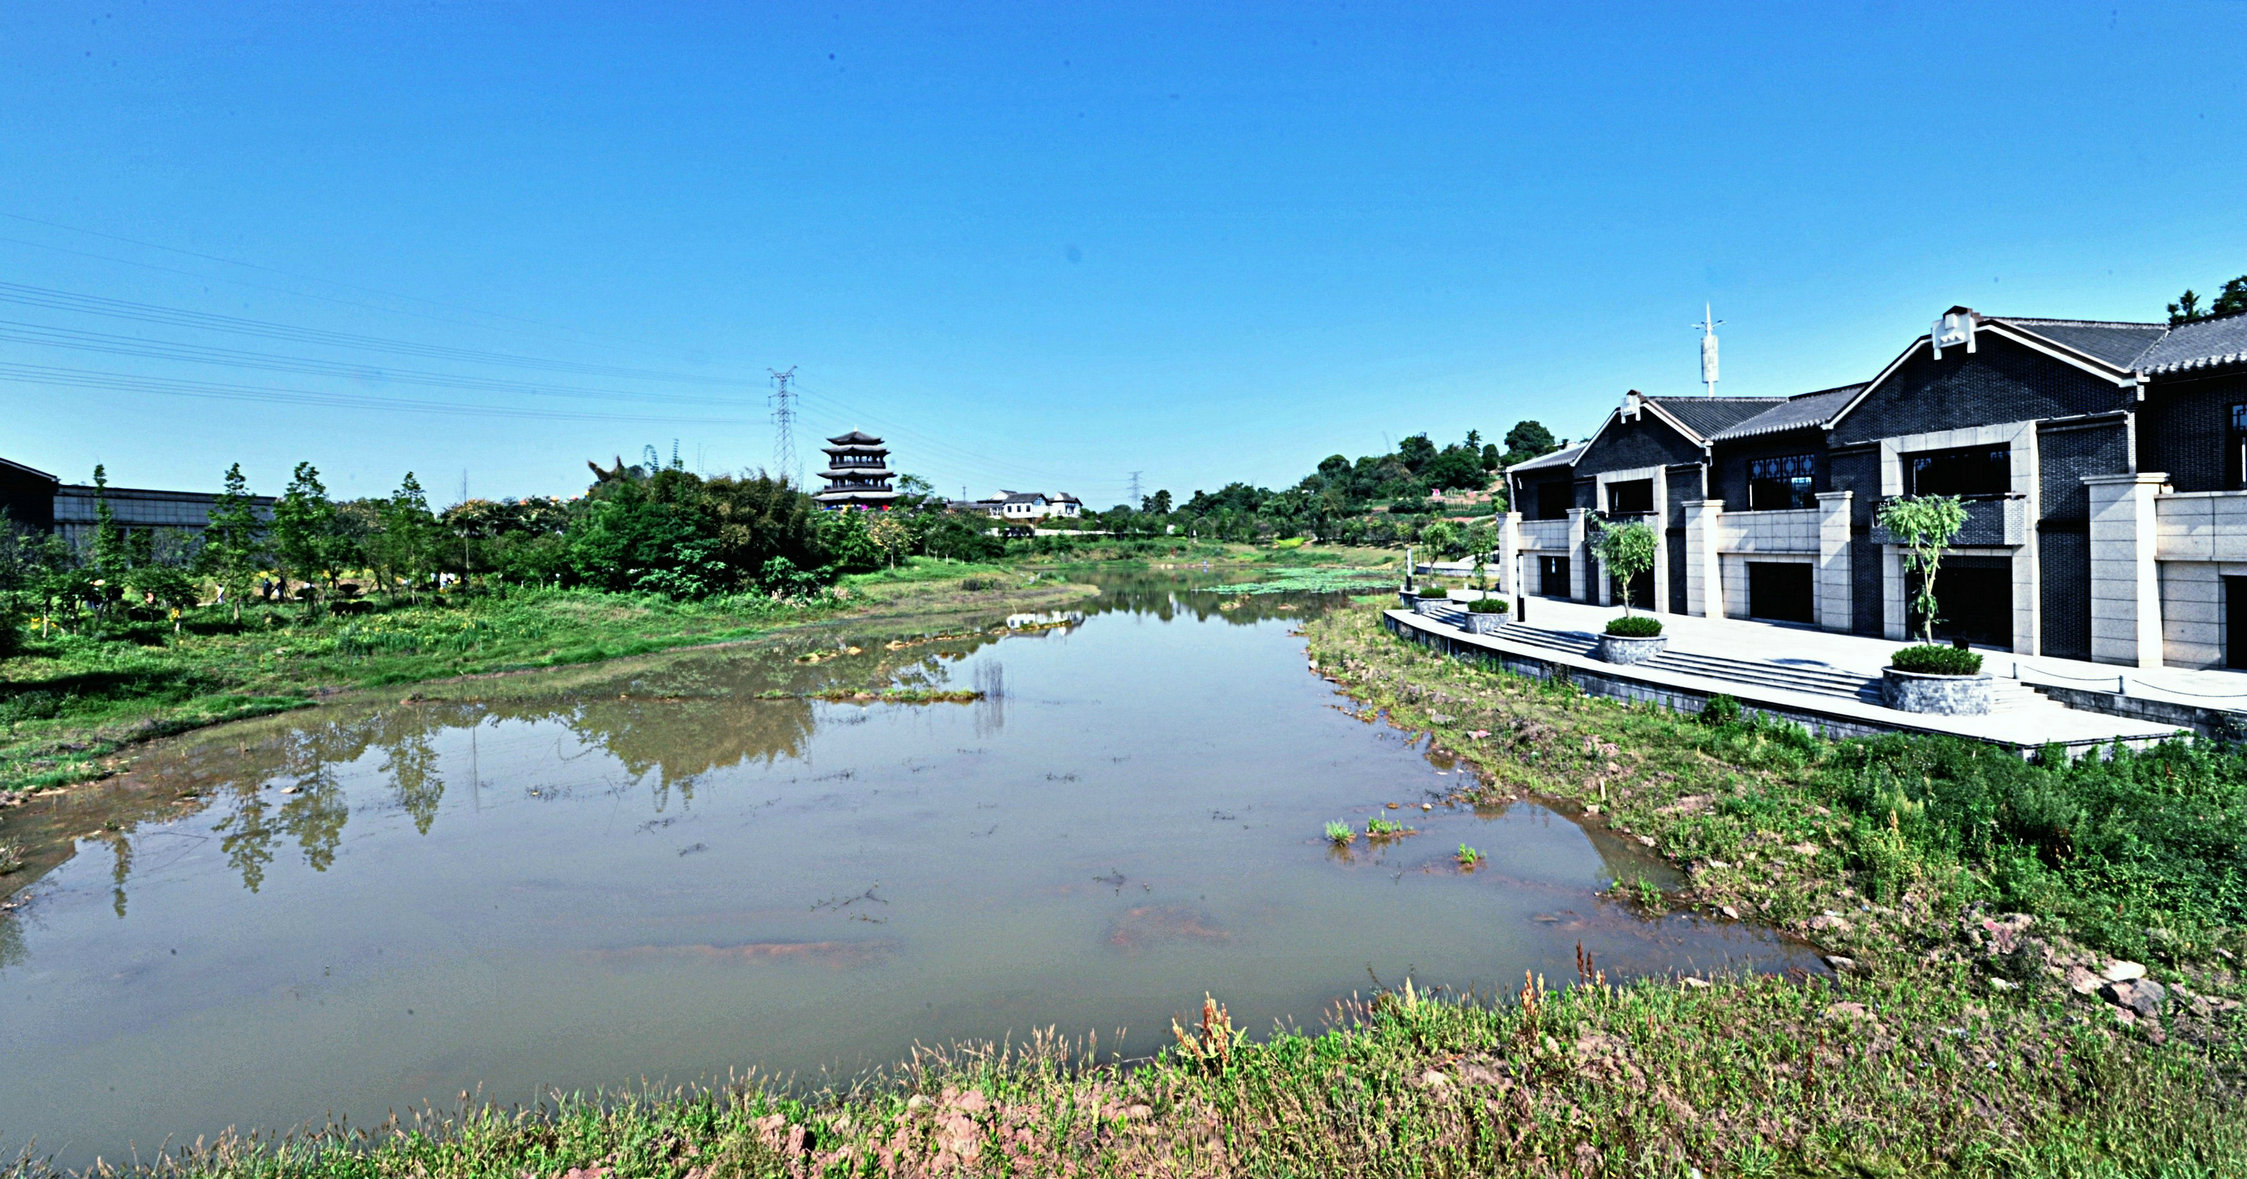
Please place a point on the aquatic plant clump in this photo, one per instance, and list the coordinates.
(1339, 834)
(1313, 580)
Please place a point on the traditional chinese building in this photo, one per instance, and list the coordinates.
(857, 473)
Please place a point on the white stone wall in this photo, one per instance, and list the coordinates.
(2201, 526)
(2192, 611)
(2125, 577)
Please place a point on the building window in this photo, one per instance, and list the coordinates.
(1782, 484)
(1973, 472)
(1554, 499)
(1633, 497)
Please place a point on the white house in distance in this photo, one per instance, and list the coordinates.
(1032, 505)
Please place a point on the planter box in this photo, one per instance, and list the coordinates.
(1484, 624)
(1427, 606)
(1615, 649)
(1940, 695)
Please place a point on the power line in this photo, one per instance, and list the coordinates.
(49, 298)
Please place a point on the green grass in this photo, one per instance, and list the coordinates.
(71, 703)
(1339, 833)
(1310, 579)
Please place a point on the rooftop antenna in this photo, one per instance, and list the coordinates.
(1708, 348)
(783, 424)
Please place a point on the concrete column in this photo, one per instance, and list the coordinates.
(1704, 578)
(1510, 573)
(1661, 525)
(2125, 581)
(1579, 558)
(1835, 589)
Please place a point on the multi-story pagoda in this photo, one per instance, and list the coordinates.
(857, 473)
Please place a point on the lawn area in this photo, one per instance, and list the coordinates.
(72, 703)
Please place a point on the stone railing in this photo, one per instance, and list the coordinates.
(1794, 530)
(2200, 526)
(1551, 535)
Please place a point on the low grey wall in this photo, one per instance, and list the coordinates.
(2221, 723)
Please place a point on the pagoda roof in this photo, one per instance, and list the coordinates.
(855, 437)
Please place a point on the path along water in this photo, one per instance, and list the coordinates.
(665, 871)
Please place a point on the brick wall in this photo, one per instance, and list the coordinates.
(1626, 446)
(1728, 480)
(2184, 430)
(2001, 381)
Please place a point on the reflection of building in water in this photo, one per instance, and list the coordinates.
(1051, 618)
(990, 709)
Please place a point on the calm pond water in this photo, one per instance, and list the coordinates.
(646, 873)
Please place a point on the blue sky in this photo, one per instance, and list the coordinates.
(1044, 245)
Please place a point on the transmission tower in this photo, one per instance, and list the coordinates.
(783, 401)
(1135, 489)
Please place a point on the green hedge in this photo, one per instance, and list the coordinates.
(1931, 659)
(1487, 606)
(1637, 626)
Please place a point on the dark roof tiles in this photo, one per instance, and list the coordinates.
(1794, 413)
(2201, 344)
(1707, 415)
(2117, 344)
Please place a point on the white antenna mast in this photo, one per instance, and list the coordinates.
(1708, 348)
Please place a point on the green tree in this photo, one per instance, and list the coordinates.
(2232, 299)
(233, 550)
(1526, 441)
(405, 550)
(170, 587)
(2186, 309)
(110, 558)
(304, 530)
(1157, 504)
(1627, 550)
(1926, 524)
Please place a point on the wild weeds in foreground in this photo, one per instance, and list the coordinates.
(1752, 1076)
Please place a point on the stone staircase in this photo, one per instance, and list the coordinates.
(2006, 695)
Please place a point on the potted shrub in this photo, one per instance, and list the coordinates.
(1930, 677)
(1627, 550)
(1485, 615)
(1432, 594)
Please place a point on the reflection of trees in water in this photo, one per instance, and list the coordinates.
(121, 866)
(411, 764)
(1166, 594)
(678, 741)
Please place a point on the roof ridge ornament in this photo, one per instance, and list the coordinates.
(1952, 328)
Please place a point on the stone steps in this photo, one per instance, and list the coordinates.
(2005, 695)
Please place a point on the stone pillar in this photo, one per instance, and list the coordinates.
(2125, 581)
(1835, 588)
(1579, 560)
(1660, 522)
(1704, 579)
(1510, 573)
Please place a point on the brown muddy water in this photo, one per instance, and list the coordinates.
(647, 874)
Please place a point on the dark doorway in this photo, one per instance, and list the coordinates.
(1552, 576)
(2235, 622)
(1974, 601)
(1642, 591)
(1780, 592)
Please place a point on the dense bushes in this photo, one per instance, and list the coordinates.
(1936, 659)
(2131, 847)
(1638, 626)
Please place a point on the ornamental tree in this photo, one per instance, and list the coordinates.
(1925, 525)
(1627, 550)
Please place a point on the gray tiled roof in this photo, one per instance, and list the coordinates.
(2116, 343)
(2202, 344)
(1563, 457)
(1707, 415)
(1793, 413)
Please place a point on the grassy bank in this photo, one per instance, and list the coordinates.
(74, 704)
(1958, 890)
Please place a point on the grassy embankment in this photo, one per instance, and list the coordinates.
(1952, 1044)
(74, 704)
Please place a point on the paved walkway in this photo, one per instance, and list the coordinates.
(1556, 630)
(1810, 647)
